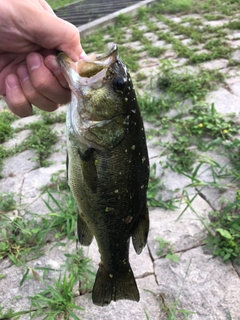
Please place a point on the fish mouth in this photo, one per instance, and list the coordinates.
(89, 70)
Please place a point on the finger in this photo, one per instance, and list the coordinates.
(31, 94)
(15, 97)
(46, 6)
(44, 81)
(53, 65)
(9, 63)
(54, 33)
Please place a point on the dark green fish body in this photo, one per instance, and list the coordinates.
(108, 171)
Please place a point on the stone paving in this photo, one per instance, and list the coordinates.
(205, 286)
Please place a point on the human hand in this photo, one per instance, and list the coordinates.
(30, 36)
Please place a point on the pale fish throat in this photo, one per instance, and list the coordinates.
(87, 71)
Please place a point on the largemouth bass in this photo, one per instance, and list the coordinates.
(107, 168)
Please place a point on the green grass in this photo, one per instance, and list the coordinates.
(55, 4)
(6, 131)
(41, 139)
(225, 240)
(7, 202)
(175, 6)
(56, 300)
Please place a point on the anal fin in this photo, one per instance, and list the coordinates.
(140, 233)
(112, 287)
(85, 236)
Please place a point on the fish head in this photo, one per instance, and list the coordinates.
(100, 85)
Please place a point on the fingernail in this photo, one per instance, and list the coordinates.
(35, 62)
(23, 73)
(55, 67)
(12, 82)
(83, 55)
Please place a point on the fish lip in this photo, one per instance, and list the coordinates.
(100, 62)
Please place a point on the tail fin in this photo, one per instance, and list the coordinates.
(108, 287)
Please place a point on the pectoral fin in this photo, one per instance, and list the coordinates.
(85, 236)
(89, 169)
(140, 233)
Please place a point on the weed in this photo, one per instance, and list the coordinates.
(188, 85)
(165, 249)
(153, 195)
(154, 51)
(225, 240)
(21, 240)
(55, 4)
(7, 202)
(3, 154)
(10, 314)
(232, 147)
(234, 25)
(210, 122)
(182, 157)
(142, 13)
(6, 131)
(53, 118)
(153, 108)
(171, 309)
(174, 6)
(213, 17)
(56, 299)
(63, 213)
(41, 140)
(130, 58)
(123, 20)
(80, 267)
(94, 42)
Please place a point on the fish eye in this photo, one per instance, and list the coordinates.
(119, 83)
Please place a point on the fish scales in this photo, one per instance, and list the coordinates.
(108, 170)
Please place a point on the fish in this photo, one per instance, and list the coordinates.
(107, 168)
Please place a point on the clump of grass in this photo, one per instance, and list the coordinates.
(7, 202)
(174, 6)
(62, 213)
(209, 122)
(225, 240)
(55, 4)
(123, 20)
(3, 154)
(153, 108)
(20, 239)
(82, 270)
(188, 84)
(165, 248)
(154, 51)
(212, 16)
(182, 157)
(41, 140)
(130, 58)
(53, 118)
(234, 25)
(56, 300)
(6, 131)
(23, 239)
(154, 196)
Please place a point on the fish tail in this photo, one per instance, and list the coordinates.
(110, 286)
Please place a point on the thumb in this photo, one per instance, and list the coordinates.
(55, 33)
